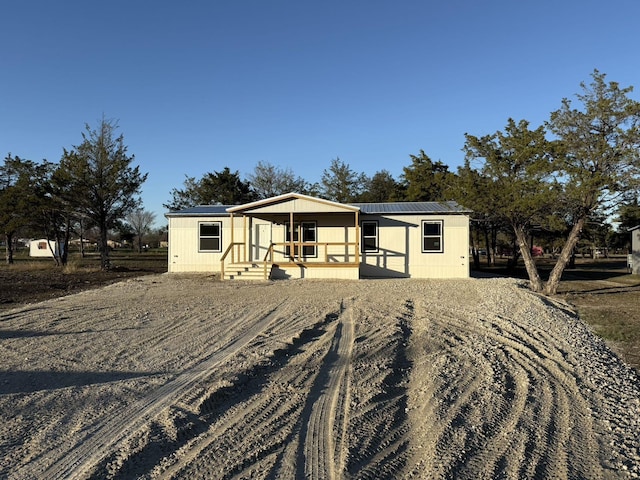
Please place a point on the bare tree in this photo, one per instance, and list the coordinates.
(268, 180)
(140, 221)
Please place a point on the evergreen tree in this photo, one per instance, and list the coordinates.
(600, 164)
(100, 171)
(425, 180)
(340, 183)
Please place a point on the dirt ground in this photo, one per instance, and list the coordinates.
(172, 376)
(20, 285)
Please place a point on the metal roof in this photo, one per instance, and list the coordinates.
(410, 208)
(201, 211)
(406, 208)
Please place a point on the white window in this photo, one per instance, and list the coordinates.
(432, 241)
(369, 237)
(210, 237)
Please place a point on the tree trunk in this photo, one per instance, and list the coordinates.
(525, 250)
(494, 244)
(105, 264)
(565, 255)
(487, 245)
(56, 246)
(9, 248)
(64, 248)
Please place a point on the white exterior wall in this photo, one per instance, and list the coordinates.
(39, 248)
(400, 248)
(635, 251)
(399, 241)
(183, 244)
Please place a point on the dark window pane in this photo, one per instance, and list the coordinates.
(431, 228)
(210, 244)
(369, 229)
(209, 230)
(308, 235)
(369, 244)
(431, 244)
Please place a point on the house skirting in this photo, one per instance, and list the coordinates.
(339, 271)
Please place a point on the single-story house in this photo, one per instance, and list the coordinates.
(634, 257)
(43, 248)
(299, 236)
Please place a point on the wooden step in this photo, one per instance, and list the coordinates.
(246, 271)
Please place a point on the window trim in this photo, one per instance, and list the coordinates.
(219, 237)
(423, 236)
(377, 237)
(296, 242)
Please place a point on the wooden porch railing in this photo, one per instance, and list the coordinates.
(350, 247)
(350, 251)
(232, 251)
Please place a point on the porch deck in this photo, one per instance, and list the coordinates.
(302, 264)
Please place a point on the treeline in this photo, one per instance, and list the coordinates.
(559, 183)
(94, 185)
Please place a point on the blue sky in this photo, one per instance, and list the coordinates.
(197, 86)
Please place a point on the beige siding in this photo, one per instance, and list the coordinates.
(400, 248)
(337, 273)
(635, 251)
(399, 240)
(183, 244)
(299, 205)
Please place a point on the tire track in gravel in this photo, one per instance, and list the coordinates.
(502, 403)
(103, 437)
(267, 402)
(324, 429)
(378, 428)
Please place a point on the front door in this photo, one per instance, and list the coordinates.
(261, 240)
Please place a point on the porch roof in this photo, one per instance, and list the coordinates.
(295, 202)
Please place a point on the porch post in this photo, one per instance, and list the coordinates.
(291, 226)
(357, 215)
(244, 230)
(233, 260)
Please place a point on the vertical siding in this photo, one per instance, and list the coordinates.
(400, 248)
(183, 244)
(399, 240)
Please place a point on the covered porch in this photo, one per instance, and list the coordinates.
(292, 236)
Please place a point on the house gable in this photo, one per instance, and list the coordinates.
(293, 202)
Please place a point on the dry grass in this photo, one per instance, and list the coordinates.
(608, 299)
(31, 280)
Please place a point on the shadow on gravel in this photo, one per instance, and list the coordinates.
(188, 426)
(33, 381)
